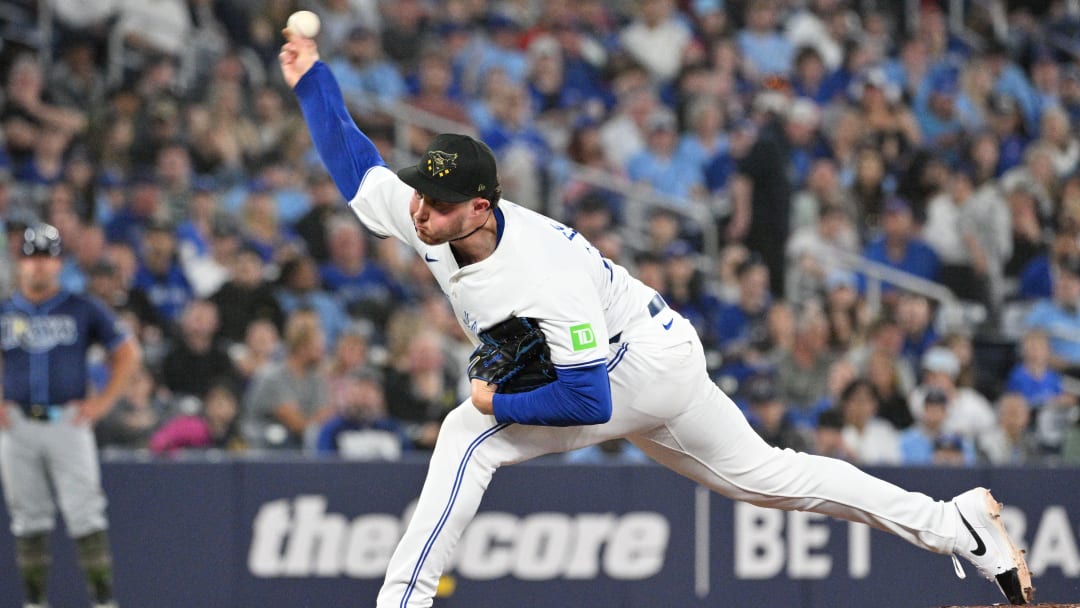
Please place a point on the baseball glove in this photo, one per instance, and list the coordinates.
(514, 356)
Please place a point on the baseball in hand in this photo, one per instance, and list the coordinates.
(303, 23)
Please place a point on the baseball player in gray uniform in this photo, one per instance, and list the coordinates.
(47, 417)
(627, 365)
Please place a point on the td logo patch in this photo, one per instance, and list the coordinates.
(582, 337)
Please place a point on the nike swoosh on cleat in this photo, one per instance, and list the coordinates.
(428, 258)
(668, 324)
(980, 548)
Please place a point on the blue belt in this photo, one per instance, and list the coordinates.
(656, 305)
(42, 412)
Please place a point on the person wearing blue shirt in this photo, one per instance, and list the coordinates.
(363, 286)
(47, 416)
(366, 79)
(1032, 376)
(1059, 315)
(363, 430)
(658, 165)
(299, 289)
(899, 247)
(921, 442)
(160, 276)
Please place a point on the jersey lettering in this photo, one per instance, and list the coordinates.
(37, 334)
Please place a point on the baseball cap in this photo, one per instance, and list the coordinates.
(454, 169)
(41, 239)
(942, 360)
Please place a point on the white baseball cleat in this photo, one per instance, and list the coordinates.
(985, 543)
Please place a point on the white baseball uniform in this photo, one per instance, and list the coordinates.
(663, 399)
(593, 314)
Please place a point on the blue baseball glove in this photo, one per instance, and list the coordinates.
(514, 356)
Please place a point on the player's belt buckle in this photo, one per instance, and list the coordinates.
(43, 412)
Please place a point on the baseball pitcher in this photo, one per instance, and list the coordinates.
(572, 351)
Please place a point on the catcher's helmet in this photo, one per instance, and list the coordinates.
(41, 239)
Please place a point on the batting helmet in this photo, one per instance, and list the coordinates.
(41, 239)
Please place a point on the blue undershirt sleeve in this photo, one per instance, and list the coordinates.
(343, 148)
(579, 396)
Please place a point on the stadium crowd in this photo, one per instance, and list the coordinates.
(158, 137)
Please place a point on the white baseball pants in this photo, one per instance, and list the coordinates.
(665, 403)
(31, 454)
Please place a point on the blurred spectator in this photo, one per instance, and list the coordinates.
(159, 275)
(765, 51)
(209, 271)
(1059, 316)
(915, 317)
(892, 397)
(887, 123)
(810, 265)
(656, 26)
(288, 401)
(419, 387)
(312, 226)
(870, 183)
(276, 129)
(938, 113)
(351, 354)
(658, 165)
(143, 207)
(512, 133)
(138, 412)
(968, 412)
(299, 289)
(196, 360)
(363, 286)
(803, 372)
(1011, 442)
(623, 133)
(1007, 123)
(972, 265)
(1028, 246)
(741, 326)
(28, 109)
(768, 416)
(829, 437)
(919, 444)
(215, 426)
(900, 247)
(404, 28)
(1056, 131)
(687, 291)
(367, 81)
(885, 339)
(150, 28)
(763, 187)
(200, 214)
(87, 249)
(363, 430)
(841, 373)
(1041, 387)
(246, 297)
(845, 312)
(872, 440)
(261, 346)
